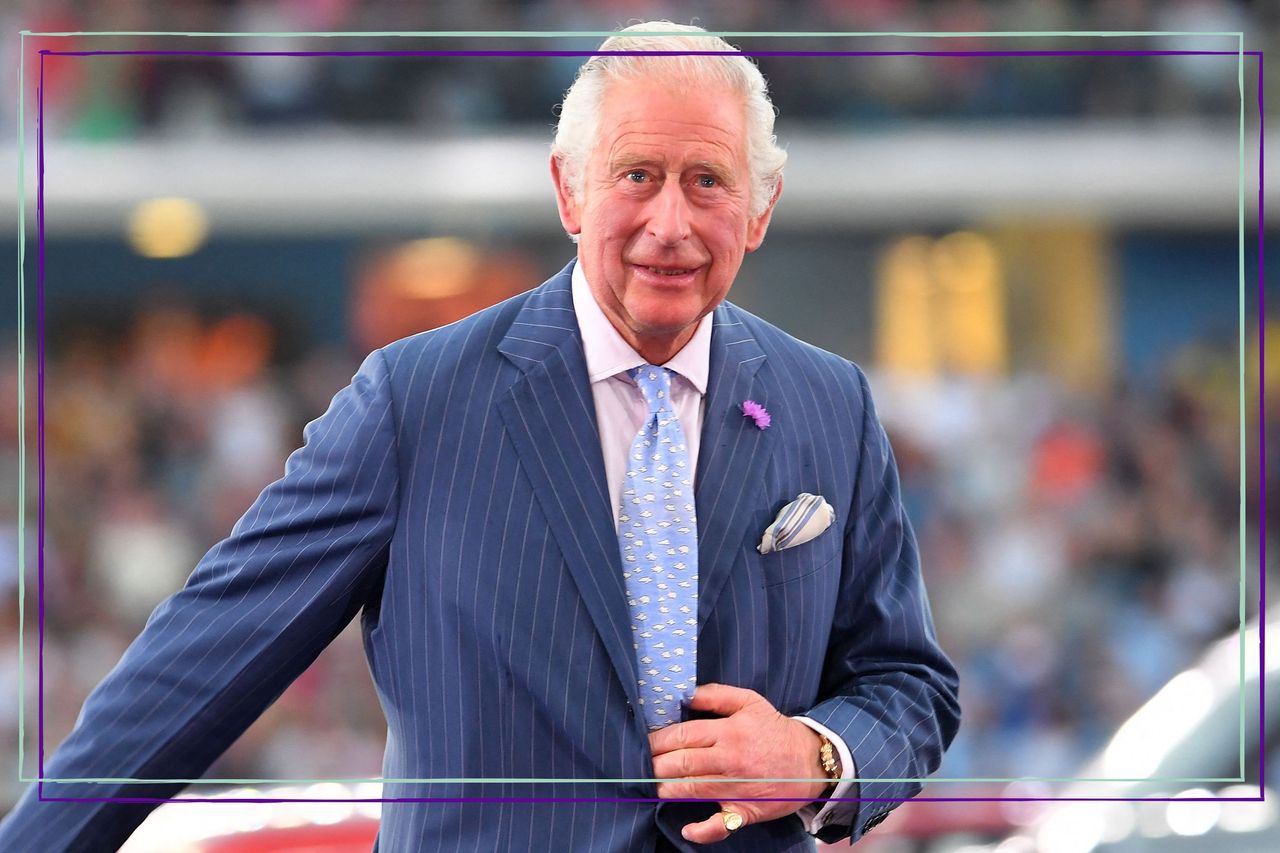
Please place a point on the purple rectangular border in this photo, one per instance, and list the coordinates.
(40, 338)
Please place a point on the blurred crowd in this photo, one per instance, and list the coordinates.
(1080, 548)
(124, 97)
(156, 441)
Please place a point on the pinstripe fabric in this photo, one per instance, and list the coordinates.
(454, 496)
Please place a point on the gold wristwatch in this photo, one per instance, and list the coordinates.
(829, 761)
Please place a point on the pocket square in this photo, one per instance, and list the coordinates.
(797, 522)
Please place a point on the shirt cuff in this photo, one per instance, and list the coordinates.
(816, 815)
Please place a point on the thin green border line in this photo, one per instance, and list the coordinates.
(22, 407)
(1238, 35)
(608, 33)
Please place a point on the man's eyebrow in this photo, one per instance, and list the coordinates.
(630, 161)
(713, 167)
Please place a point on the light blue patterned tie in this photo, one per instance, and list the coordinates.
(658, 536)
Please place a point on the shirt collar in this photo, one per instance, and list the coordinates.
(607, 354)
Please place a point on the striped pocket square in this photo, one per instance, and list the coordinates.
(797, 522)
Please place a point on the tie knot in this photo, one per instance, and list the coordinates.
(655, 384)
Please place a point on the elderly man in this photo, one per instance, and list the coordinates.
(614, 531)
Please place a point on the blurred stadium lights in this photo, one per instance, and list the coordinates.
(1175, 710)
(167, 227)
(904, 316)
(1189, 814)
(1084, 827)
(433, 268)
(1122, 173)
(1247, 816)
(1076, 828)
(941, 307)
(971, 278)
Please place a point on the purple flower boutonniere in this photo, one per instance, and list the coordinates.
(755, 411)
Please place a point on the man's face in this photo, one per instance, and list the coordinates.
(663, 218)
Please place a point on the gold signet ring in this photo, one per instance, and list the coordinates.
(732, 820)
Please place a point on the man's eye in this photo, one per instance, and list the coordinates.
(708, 181)
(636, 176)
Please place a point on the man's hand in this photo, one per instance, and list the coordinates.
(752, 741)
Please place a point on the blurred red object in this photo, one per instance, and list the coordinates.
(354, 835)
(424, 284)
(1067, 461)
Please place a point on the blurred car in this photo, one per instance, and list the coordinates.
(342, 821)
(1204, 724)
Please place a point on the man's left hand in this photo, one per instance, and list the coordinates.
(751, 741)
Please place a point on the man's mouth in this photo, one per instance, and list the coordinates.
(662, 273)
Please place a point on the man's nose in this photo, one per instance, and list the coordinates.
(669, 215)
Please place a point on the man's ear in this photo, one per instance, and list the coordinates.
(758, 226)
(566, 201)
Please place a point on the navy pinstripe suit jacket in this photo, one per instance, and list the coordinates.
(454, 495)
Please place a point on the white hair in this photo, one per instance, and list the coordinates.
(578, 128)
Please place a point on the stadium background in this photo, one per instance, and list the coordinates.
(1034, 257)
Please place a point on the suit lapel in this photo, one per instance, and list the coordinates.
(733, 456)
(550, 416)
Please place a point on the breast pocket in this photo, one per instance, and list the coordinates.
(801, 561)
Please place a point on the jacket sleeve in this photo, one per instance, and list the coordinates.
(890, 691)
(259, 607)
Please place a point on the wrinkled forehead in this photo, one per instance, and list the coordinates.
(661, 119)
